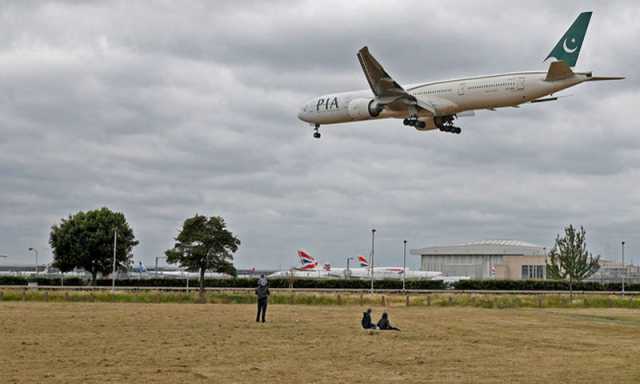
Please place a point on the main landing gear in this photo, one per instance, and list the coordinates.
(414, 122)
(445, 124)
(316, 132)
(451, 129)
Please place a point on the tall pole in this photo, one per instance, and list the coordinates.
(373, 238)
(404, 265)
(348, 274)
(624, 267)
(113, 273)
(155, 270)
(544, 250)
(35, 251)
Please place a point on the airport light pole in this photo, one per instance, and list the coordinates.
(113, 272)
(624, 269)
(544, 250)
(404, 265)
(35, 251)
(348, 275)
(373, 239)
(155, 271)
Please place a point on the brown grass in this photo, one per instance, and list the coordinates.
(218, 343)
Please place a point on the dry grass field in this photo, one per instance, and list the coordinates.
(220, 343)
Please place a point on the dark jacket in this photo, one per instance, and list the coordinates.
(262, 291)
(366, 321)
(385, 324)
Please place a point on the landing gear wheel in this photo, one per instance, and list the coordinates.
(457, 130)
(405, 121)
(317, 135)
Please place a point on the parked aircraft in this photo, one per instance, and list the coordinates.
(436, 104)
(310, 265)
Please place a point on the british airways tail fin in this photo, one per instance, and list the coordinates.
(363, 261)
(306, 260)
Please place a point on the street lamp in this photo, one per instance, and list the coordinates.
(155, 271)
(348, 274)
(544, 250)
(113, 272)
(404, 265)
(624, 272)
(35, 251)
(373, 238)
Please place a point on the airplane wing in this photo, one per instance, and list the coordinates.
(387, 91)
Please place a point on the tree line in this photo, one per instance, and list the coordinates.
(87, 239)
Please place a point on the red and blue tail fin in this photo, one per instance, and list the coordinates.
(307, 261)
(363, 261)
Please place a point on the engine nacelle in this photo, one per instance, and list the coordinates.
(363, 109)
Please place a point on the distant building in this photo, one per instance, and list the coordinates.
(613, 271)
(489, 259)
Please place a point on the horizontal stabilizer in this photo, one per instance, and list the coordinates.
(604, 78)
(558, 70)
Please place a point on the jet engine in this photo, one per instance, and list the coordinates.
(362, 109)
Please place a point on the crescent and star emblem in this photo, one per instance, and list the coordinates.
(566, 49)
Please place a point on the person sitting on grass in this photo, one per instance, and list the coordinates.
(366, 320)
(384, 323)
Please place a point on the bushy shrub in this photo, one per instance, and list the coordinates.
(481, 285)
(277, 283)
(540, 285)
(24, 280)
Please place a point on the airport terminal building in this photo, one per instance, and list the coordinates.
(489, 259)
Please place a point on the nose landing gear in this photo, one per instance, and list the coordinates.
(316, 132)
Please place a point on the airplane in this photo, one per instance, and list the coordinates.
(302, 274)
(436, 104)
(140, 268)
(310, 265)
(396, 272)
(180, 273)
(309, 269)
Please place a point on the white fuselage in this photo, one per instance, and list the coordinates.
(446, 98)
(380, 273)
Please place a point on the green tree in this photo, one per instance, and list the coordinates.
(204, 244)
(85, 240)
(570, 260)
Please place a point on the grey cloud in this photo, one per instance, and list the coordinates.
(167, 110)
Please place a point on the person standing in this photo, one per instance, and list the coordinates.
(262, 291)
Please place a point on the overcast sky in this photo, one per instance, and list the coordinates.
(165, 109)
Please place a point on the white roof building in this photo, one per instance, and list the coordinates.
(507, 259)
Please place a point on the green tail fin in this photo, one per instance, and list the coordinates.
(568, 48)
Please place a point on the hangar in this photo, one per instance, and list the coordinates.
(488, 259)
